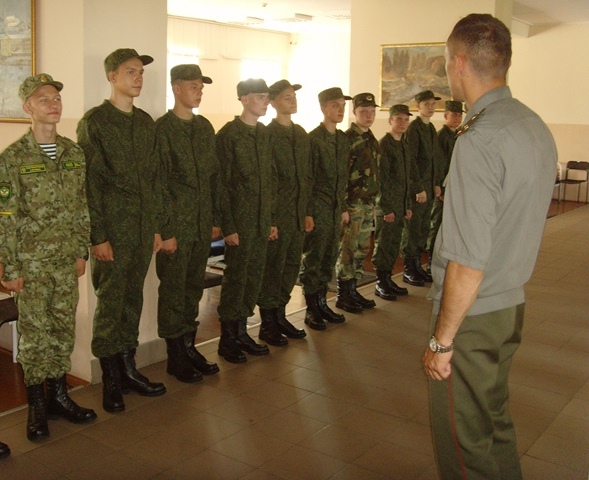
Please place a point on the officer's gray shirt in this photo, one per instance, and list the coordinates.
(498, 191)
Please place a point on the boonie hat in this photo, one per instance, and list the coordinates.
(112, 62)
(399, 108)
(251, 85)
(281, 85)
(188, 71)
(332, 94)
(364, 100)
(30, 84)
(454, 106)
(426, 95)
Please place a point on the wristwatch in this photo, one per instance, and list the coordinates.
(435, 347)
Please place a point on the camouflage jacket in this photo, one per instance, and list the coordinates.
(43, 202)
(399, 176)
(248, 179)
(291, 151)
(363, 179)
(189, 174)
(423, 142)
(124, 197)
(329, 158)
(446, 140)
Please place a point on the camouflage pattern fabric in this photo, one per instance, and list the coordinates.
(247, 208)
(189, 176)
(355, 242)
(124, 200)
(44, 228)
(291, 152)
(329, 159)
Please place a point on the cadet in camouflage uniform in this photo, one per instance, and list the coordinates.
(123, 199)
(244, 152)
(330, 149)
(361, 193)
(400, 185)
(291, 151)
(44, 239)
(446, 139)
(423, 142)
(189, 176)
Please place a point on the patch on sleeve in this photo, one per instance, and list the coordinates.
(5, 191)
(33, 168)
(71, 165)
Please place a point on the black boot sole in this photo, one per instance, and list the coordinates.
(143, 393)
(65, 416)
(183, 379)
(415, 283)
(37, 435)
(385, 296)
(232, 358)
(113, 409)
(283, 342)
(347, 308)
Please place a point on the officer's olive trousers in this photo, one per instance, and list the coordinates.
(355, 242)
(387, 240)
(473, 433)
(182, 279)
(416, 230)
(47, 318)
(119, 291)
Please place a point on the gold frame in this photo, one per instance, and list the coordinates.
(407, 69)
(17, 55)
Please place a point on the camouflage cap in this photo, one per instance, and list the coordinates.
(112, 62)
(281, 85)
(454, 106)
(188, 72)
(426, 95)
(333, 93)
(30, 84)
(399, 108)
(251, 85)
(364, 100)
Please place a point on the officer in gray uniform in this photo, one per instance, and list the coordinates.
(291, 152)
(189, 176)
(44, 239)
(124, 202)
(330, 150)
(247, 217)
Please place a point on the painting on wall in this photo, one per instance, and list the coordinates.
(408, 69)
(17, 55)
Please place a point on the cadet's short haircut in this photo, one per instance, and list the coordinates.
(485, 42)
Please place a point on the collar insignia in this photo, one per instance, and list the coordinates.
(464, 128)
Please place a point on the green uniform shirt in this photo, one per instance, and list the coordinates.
(189, 174)
(43, 210)
(363, 180)
(122, 184)
(423, 143)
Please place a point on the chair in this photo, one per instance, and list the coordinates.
(580, 171)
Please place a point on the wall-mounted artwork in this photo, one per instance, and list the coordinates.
(17, 55)
(408, 69)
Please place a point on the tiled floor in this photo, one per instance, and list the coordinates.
(347, 403)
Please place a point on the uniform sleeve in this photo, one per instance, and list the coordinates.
(225, 154)
(9, 215)
(82, 218)
(165, 222)
(439, 161)
(216, 187)
(388, 186)
(315, 157)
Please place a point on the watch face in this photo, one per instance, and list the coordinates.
(433, 345)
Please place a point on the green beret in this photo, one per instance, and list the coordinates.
(251, 85)
(454, 106)
(30, 84)
(280, 86)
(112, 62)
(425, 95)
(334, 93)
(399, 108)
(188, 72)
(364, 100)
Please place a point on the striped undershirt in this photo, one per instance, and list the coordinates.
(50, 149)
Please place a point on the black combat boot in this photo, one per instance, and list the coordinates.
(420, 271)
(4, 450)
(383, 289)
(37, 419)
(112, 395)
(133, 381)
(228, 348)
(269, 331)
(326, 312)
(59, 403)
(399, 291)
(313, 316)
(345, 298)
(285, 327)
(247, 343)
(364, 302)
(178, 363)
(410, 274)
(196, 358)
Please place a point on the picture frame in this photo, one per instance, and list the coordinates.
(17, 55)
(407, 69)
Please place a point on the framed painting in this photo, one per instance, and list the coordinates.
(17, 55)
(407, 69)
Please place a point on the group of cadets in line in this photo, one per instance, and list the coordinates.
(289, 205)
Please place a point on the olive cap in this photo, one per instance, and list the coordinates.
(188, 71)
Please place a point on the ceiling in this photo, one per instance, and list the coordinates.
(294, 15)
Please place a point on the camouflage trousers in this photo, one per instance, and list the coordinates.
(387, 241)
(47, 318)
(283, 260)
(355, 241)
(242, 278)
(416, 231)
(435, 222)
(182, 279)
(119, 291)
(320, 254)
